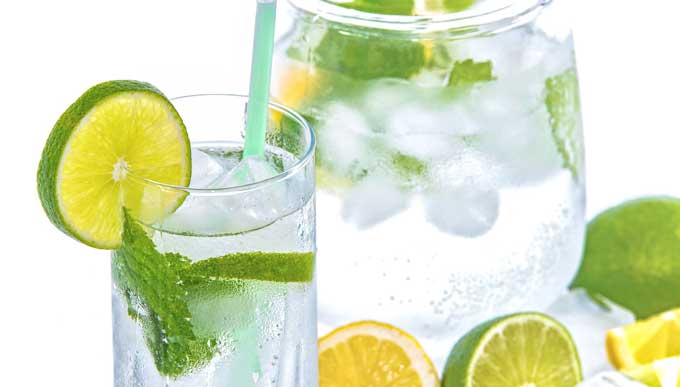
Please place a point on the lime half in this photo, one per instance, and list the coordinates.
(526, 349)
(98, 155)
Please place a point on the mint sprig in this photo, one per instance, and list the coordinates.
(157, 288)
(360, 54)
(152, 284)
(563, 103)
(468, 72)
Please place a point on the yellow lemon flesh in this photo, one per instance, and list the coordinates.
(645, 341)
(368, 353)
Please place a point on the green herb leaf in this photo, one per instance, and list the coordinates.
(457, 5)
(152, 284)
(383, 7)
(158, 288)
(468, 72)
(407, 166)
(564, 105)
(358, 54)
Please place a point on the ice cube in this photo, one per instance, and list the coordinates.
(256, 208)
(588, 323)
(503, 50)
(344, 138)
(426, 133)
(610, 379)
(374, 200)
(466, 210)
(204, 168)
(250, 170)
(386, 97)
(238, 211)
(522, 144)
(547, 57)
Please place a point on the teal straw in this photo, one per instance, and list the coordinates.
(260, 79)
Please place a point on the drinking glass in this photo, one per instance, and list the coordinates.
(214, 284)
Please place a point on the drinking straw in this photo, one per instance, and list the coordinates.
(260, 79)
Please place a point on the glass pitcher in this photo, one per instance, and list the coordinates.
(450, 164)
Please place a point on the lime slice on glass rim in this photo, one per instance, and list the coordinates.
(112, 138)
(525, 349)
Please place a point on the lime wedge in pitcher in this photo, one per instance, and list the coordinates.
(114, 136)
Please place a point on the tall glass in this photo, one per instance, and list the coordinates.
(221, 292)
(450, 165)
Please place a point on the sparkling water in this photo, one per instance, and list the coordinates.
(449, 169)
(260, 323)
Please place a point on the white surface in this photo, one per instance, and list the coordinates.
(610, 379)
(588, 324)
(55, 325)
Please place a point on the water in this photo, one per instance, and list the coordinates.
(450, 184)
(249, 331)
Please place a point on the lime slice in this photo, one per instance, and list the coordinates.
(100, 151)
(405, 7)
(526, 349)
(258, 266)
(434, 7)
(632, 256)
(384, 7)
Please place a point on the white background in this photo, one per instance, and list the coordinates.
(55, 326)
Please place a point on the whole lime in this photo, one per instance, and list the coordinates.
(632, 256)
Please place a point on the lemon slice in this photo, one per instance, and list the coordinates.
(369, 353)
(661, 373)
(99, 154)
(645, 341)
(521, 350)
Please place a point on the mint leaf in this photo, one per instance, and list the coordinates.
(457, 5)
(359, 54)
(383, 7)
(564, 105)
(408, 167)
(468, 72)
(151, 283)
(159, 287)
(286, 134)
(273, 267)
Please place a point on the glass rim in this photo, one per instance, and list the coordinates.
(299, 165)
(509, 12)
